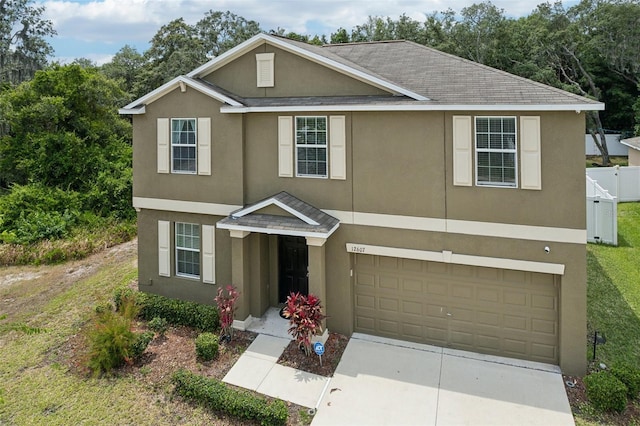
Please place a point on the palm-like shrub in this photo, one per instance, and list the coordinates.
(305, 318)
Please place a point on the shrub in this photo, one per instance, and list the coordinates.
(158, 325)
(628, 375)
(176, 312)
(140, 343)
(227, 308)
(605, 391)
(110, 341)
(180, 312)
(216, 396)
(207, 346)
(305, 317)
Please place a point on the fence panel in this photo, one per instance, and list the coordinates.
(602, 214)
(621, 182)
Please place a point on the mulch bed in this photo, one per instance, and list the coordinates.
(334, 347)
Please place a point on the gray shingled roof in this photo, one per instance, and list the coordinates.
(632, 142)
(443, 78)
(275, 224)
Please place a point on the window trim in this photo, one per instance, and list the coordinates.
(199, 251)
(195, 146)
(514, 151)
(326, 146)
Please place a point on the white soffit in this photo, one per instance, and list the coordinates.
(413, 107)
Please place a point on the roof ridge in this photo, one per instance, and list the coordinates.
(352, 43)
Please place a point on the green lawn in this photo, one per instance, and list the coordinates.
(613, 292)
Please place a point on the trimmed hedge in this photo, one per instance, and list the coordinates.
(628, 375)
(216, 396)
(207, 346)
(606, 392)
(176, 312)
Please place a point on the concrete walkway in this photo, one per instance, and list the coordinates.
(389, 382)
(257, 369)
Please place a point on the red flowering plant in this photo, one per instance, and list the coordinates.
(227, 308)
(305, 317)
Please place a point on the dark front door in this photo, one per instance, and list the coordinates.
(294, 262)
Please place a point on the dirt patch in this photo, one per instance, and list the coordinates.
(22, 276)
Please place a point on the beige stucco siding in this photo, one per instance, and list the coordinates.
(173, 286)
(261, 167)
(634, 157)
(560, 203)
(294, 76)
(225, 183)
(398, 163)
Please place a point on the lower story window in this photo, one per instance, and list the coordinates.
(188, 249)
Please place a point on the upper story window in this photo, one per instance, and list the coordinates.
(311, 146)
(188, 250)
(496, 150)
(183, 145)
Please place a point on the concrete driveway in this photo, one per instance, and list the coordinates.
(388, 382)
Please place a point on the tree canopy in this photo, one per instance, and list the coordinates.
(23, 45)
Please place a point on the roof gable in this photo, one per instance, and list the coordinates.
(309, 52)
(138, 106)
(304, 220)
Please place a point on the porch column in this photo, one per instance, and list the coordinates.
(240, 277)
(317, 275)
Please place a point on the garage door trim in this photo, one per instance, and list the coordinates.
(446, 256)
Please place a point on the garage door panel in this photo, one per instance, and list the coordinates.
(462, 291)
(500, 312)
(543, 301)
(365, 301)
(412, 285)
(437, 289)
(517, 323)
(542, 352)
(543, 326)
(389, 305)
(412, 308)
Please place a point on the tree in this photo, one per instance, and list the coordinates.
(23, 46)
(340, 36)
(480, 34)
(63, 130)
(175, 49)
(124, 67)
(220, 31)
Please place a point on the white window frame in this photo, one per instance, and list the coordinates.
(489, 150)
(190, 249)
(194, 146)
(325, 146)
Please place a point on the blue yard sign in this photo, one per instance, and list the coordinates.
(318, 347)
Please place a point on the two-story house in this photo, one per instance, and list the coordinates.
(421, 196)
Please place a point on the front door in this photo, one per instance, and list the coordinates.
(294, 262)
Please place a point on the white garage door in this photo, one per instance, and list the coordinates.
(493, 311)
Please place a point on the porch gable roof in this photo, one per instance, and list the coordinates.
(305, 220)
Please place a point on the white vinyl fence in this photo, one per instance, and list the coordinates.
(621, 182)
(602, 214)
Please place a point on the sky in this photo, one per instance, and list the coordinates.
(98, 29)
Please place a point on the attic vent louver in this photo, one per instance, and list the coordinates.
(264, 69)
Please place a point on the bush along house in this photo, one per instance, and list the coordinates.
(419, 195)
